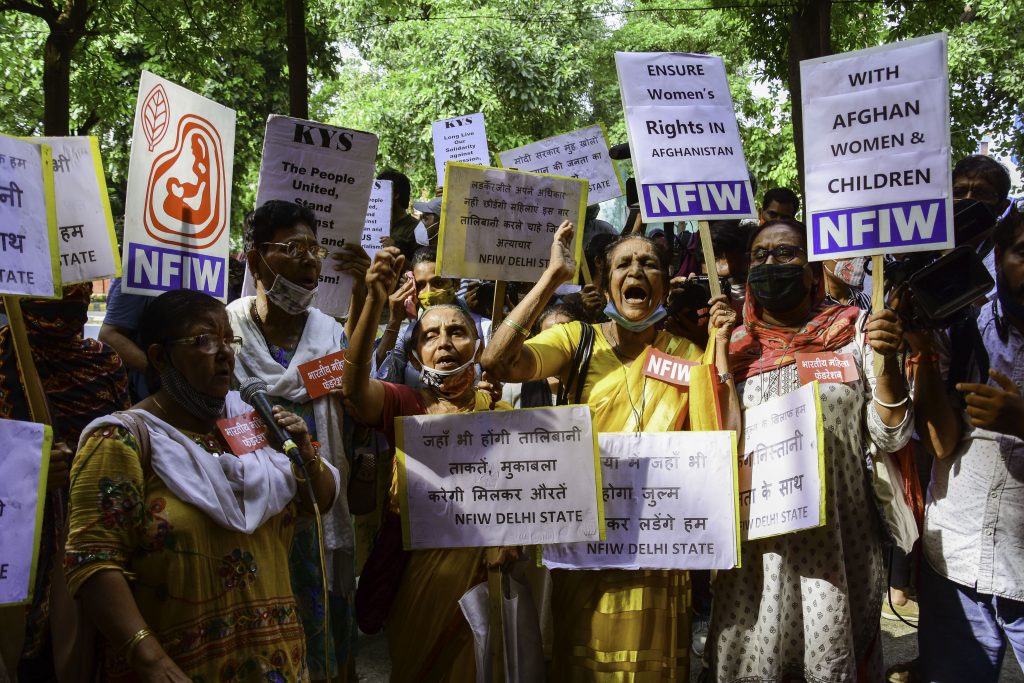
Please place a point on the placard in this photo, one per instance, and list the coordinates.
(520, 477)
(330, 171)
(876, 150)
(88, 246)
(378, 217)
(669, 503)
(826, 367)
(498, 224)
(685, 143)
(462, 139)
(582, 153)
(244, 433)
(29, 263)
(323, 375)
(22, 500)
(781, 474)
(665, 368)
(177, 214)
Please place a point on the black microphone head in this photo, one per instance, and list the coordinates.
(618, 152)
(250, 387)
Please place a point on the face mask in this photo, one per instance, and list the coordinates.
(1007, 301)
(638, 326)
(200, 405)
(420, 233)
(436, 297)
(288, 296)
(778, 286)
(850, 271)
(449, 383)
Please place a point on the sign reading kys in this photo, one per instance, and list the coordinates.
(876, 150)
(28, 220)
(683, 137)
(178, 206)
(328, 170)
(462, 139)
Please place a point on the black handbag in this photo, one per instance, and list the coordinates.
(573, 385)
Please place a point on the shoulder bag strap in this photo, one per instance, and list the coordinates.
(578, 368)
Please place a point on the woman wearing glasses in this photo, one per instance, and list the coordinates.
(281, 330)
(806, 605)
(177, 548)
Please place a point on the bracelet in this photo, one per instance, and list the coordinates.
(356, 364)
(133, 642)
(308, 466)
(516, 326)
(874, 397)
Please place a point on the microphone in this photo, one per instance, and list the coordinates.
(254, 392)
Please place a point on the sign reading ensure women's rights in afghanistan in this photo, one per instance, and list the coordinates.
(876, 150)
(521, 477)
(178, 208)
(669, 503)
(28, 220)
(88, 246)
(22, 498)
(330, 171)
(582, 153)
(499, 225)
(683, 137)
(782, 471)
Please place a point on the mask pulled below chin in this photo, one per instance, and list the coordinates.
(449, 383)
(288, 296)
(634, 325)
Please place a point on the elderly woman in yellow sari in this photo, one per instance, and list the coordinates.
(615, 625)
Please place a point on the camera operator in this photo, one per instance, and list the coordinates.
(972, 583)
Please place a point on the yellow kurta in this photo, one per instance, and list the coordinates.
(220, 602)
(619, 626)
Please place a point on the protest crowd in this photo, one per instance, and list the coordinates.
(399, 393)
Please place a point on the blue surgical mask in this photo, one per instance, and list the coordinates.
(637, 326)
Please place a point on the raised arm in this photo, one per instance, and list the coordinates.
(936, 419)
(504, 357)
(364, 397)
(353, 259)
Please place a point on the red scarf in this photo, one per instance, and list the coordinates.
(758, 347)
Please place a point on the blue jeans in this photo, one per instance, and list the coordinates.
(963, 634)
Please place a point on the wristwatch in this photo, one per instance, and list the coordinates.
(724, 377)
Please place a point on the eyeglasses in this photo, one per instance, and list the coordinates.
(209, 343)
(299, 249)
(783, 253)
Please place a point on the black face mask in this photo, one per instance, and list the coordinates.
(778, 286)
(1008, 299)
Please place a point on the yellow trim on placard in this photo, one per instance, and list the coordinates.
(441, 227)
(602, 532)
(403, 483)
(51, 218)
(736, 495)
(108, 216)
(615, 168)
(820, 432)
(44, 468)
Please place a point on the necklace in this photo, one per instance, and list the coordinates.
(205, 440)
(162, 409)
(258, 321)
(623, 360)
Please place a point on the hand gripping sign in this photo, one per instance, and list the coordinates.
(179, 192)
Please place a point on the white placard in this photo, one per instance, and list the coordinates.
(498, 224)
(582, 153)
(876, 150)
(88, 246)
(378, 217)
(669, 503)
(28, 220)
(685, 143)
(177, 214)
(462, 139)
(520, 477)
(330, 171)
(22, 498)
(781, 482)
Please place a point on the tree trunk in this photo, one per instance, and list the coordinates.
(57, 84)
(810, 36)
(298, 90)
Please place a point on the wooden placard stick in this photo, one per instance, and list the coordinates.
(498, 307)
(587, 279)
(496, 632)
(39, 409)
(709, 258)
(878, 298)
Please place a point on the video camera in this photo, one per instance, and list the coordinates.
(941, 288)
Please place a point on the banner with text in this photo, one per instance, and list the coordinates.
(781, 479)
(330, 171)
(876, 149)
(462, 139)
(88, 246)
(685, 143)
(498, 224)
(580, 154)
(22, 498)
(177, 213)
(520, 477)
(378, 217)
(669, 503)
(29, 257)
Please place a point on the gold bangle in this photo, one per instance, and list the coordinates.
(318, 461)
(356, 364)
(133, 642)
(516, 326)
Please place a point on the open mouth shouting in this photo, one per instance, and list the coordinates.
(636, 296)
